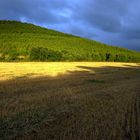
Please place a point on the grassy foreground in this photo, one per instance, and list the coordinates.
(70, 101)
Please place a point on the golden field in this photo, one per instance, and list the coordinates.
(70, 101)
(31, 69)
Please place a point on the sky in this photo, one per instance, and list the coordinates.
(114, 22)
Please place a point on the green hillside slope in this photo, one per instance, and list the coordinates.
(27, 42)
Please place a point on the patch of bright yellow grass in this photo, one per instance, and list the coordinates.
(34, 69)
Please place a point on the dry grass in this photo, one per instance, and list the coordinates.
(14, 70)
(71, 101)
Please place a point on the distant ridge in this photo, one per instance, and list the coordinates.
(28, 42)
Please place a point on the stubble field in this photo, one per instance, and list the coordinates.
(70, 101)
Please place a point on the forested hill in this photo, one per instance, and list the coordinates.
(27, 42)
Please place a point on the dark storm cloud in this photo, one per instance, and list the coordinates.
(32, 10)
(115, 22)
(132, 34)
(104, 14)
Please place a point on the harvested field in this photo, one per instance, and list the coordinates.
(70, 101)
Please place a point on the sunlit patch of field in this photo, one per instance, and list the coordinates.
(17, 70)
(70, 101)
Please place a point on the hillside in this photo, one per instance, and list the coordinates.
(27, 42)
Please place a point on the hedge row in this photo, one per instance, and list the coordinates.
(44, 54)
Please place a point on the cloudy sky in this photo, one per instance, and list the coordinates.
(115, 22)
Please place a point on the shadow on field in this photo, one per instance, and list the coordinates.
(22, 84)
(97, 76)
(91, 103)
